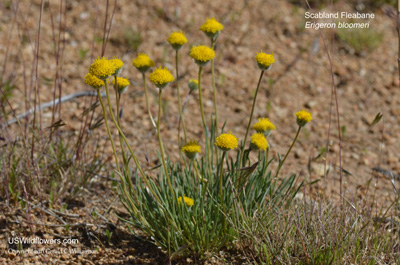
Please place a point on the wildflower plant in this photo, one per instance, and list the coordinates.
(192, 205)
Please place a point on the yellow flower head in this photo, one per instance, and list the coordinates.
(93, 81)
(117, 64)
(193, 84)
(226, 142)
(258, 142)
(102, 68)
(212, 27)
(264, 60)
(188, 201)
(143, 62)
(177, 39)
(202, 54)
(122, 84)
(161, 77)
(303, 117)
(191, 149)
(264, 125)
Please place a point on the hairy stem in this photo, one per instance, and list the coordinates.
(161, 144)
(147, 100)
(290, 148)
(108, 129)
(179, 101)
(251, 118)
(118, 99)
(215, 97)
(201, 100)
(221, 166)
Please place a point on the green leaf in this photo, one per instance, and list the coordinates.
(377, 119)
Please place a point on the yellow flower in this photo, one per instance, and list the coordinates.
(212, 27)
(303, 117)
(143, 62)
(122, 84)
(264, 125)
(188, 201)
(202, 54)
(193, 84)
(161, 77)
(226, 142)
(102, 68)
(191, 149)
(117, 64)
(258, 142)
(93, 81)
(177, 39)
(264, 60)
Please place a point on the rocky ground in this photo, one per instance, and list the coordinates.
(366, 83)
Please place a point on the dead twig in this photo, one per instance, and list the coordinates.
(54, 103)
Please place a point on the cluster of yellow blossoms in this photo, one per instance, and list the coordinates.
(177, 39)
(212, 28)
(191, 149)
(161, 77)
(264, 60)
(102, 69)
(303, 117)
(258, 142)
(202, 54)
(226, 142)
(188, 201)
(143, 62)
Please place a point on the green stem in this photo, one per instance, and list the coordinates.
(266, 161)
(108, 129)
(198, 174)
(213, 84)
(135, 159)
(147, 100)
(201, 100)
(251, 117)
(161, 144)
(215, 97)
(221, 166)
(179, 100)
(118, 98)
(290, 148)
(204, 123)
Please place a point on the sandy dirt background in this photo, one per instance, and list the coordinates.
(366, 82)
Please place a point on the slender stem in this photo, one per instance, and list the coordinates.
(215, 97)
(135, 159)
(266, 161)
(147, 100)
(198, 174)
(179, 100)
(205, 181)
(290, 148)
(118, 99)
(201, 100)
(108, 129)
(221, 166)
(213, 84)
(204, 123)
(251, 117)
(161, 144)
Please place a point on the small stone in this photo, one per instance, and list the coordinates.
(319, 169)
(311, 104)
